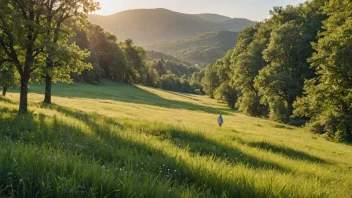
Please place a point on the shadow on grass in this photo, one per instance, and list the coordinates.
(281, 126)
(184, 95)
(4, 99)
(102, 139)
(286, 151)
(198, 144)
(123, 93)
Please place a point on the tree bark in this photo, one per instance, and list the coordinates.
(4, 90)
(48, 82)
(290, 108)
(24, 95)
(25, 76)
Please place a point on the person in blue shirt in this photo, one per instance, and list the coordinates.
(220, 120)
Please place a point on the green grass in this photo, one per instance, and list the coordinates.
(113, 140)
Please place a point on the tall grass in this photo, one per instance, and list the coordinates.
(122, 143)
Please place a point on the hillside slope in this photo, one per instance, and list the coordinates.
(114, 140)
(227, 23)
(147, 26)
(200, 49)
(215, 18)
(152, 55)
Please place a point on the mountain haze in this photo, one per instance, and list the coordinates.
(215, 18)
(200, 49)
(146, 26)
(227, 23)
(152, 55)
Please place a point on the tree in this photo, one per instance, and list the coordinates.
(112, 60)
(159, 67)
(247, 60)
(7, 78)
(328, 97)
(227, 92)
(185, 86)
(60, 56)
(152, 77)
(135, 60)
(95, 74)
(25, 36)
(170, 82)
(210, 80)
(282, 80)
(21, 38)
(6, 73)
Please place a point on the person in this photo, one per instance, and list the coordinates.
(220, 120)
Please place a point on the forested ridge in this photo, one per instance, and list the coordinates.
(294, 68)
(196, 38)
(201, 49)
(147, 26)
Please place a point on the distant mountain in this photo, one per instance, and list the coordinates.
(215, 18)
(152, 55)
(200, 49)
(235, 24)
(147, 26)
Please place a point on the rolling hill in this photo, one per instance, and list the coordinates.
(152, 55)
(215, 18)
(200, 49)
(227, 23)
(117, 140)
(147, 26)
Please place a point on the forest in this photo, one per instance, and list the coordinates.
(294, 68)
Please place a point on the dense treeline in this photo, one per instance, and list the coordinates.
(218, 82)
(200, 49)
(122, 62)
(172, 76)
(127, 63)
(294, 67)
(152, 55)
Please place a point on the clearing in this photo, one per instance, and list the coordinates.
(132, 141)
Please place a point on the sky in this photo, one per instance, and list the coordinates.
(256, 10)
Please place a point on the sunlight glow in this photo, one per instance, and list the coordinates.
(252, 9)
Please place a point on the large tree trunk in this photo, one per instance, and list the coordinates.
(50, 63)
(4, 90)
(48, 82)
(24, 95)
(25, 76)
(290, 108)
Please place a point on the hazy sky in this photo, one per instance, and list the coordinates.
(251, 9)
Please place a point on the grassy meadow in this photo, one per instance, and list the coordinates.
(114, 140)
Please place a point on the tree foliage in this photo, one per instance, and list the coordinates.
(8, 77)
(30, 35)
(295, 67)
(218, 82)
(328, 97)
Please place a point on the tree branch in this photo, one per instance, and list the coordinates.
(22, 9)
